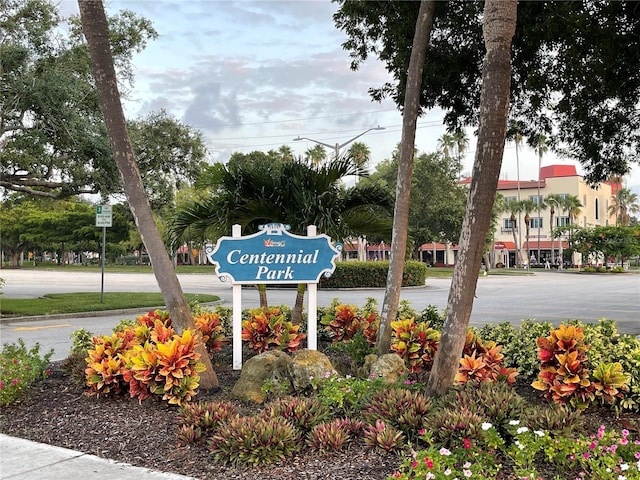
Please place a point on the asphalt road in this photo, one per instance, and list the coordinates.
(546, 296)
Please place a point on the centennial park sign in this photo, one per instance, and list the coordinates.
(273, 256)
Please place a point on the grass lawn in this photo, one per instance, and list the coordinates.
(88, 302)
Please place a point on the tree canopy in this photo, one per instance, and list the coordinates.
(53, 141)
(575, 76)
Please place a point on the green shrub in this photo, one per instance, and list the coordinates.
(383, 436)
(303, 413)
(254, 441)
(20, 368)
(345, 395)
(399, 407)
(518, 344)
(330, 436)
(372, 275)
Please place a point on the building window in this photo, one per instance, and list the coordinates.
(536, 222)
(597, 213)
(562, 221)
(563, 196)
(509, 225)
(511, 199)
(584, 200)
(537, 199)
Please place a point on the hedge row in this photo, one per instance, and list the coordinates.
(372, 275)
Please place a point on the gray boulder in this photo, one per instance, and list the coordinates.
(307, 364)
(272, 365)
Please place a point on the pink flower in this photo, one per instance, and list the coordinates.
(14, 382)
(467, 473)
(601, 431)
(592, 445)
(428, 462)
(414, 464)
(467, 443)
(625, 433)
(585, 454)
(624, 441)
(422, 431)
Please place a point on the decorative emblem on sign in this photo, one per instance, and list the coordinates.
(274, 255)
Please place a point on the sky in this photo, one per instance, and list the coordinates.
(255, 74)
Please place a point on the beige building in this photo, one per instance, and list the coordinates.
(554, 179)
(562, 180)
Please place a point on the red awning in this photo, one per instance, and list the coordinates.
(544, 244)
(504, 246)
(430, 247)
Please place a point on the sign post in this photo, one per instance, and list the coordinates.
(273, 256)
(104, 216)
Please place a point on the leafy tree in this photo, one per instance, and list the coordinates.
(54, 143)
(498, 28)
(574, 75)
(608, 241)
(437, 200)
(96, 31)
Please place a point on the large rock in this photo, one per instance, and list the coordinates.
(272, 365)
(390, 366)
(307, 364)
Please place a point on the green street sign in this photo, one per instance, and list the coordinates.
(104, 215)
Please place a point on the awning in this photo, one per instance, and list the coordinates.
(430, 247)
(544, 244)
(504, 246)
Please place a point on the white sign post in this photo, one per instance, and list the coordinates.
(104, 217)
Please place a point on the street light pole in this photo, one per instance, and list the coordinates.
(338, 146)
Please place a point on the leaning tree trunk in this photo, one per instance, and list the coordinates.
(95, 28)
(498, 28)
(405, 171)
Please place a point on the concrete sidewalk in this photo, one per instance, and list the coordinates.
(25, 460)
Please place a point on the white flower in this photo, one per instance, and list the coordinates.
(624, 466)
(486, 426)
(522, 430)
(514, 422)
(622, 477)
(539, 433)
(519, 445)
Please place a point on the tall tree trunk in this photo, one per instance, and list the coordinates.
(499, 27)
(95, 28)
(405, 170)
(262, 293)
(296, 315)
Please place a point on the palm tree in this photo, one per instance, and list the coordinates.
(553, 201)
(295, 193)
(514, 208)
(541, 149)
(571, 205)
(411, 111)
(96, 31)
(528, 206)
(461, 143)
(498, 30)
(623, 204)
(360, 154)
(316, 155)
(285, 153)
(445, 144)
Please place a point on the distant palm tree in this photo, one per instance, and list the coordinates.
(513, 208)
(623, 204)
(461, 143)
(286, 154)
(528, 206)
(445, 144)
(541, 149)
(360, 154)
(571, 205)
(554, 202)
(316, 155)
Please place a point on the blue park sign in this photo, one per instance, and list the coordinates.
(274, 255)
